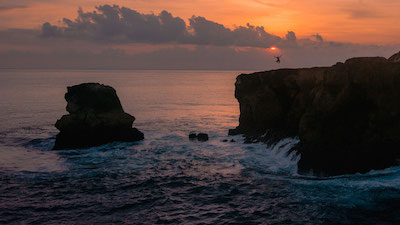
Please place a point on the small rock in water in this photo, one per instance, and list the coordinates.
(192, 135)
(202, 137)
(225, 140)
(199, 137)
(232, 140)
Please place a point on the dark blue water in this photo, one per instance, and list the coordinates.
(166, 179)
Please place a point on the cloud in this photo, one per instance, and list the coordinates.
(365, 10)
(11, 7)
(206, 32)
(317, 37)
(115, 24)
(119, 24)
(114, 37)
(362, 13)
(291, 36)
(51, 31)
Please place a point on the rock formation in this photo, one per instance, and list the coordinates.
(347, 116)
(200, 136)
(395, 58)
(95, 117)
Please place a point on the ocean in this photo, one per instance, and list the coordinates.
(166, 178)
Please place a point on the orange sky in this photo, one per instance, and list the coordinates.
(357, 21)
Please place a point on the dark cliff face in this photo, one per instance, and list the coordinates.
(95, 117)
(347, 116)
(395, 58)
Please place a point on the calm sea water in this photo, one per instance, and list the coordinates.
(166, 179)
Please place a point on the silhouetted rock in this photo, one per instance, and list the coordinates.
(233, 132)
(199, 137)
(202, 137)
(395, 58)
(225, 140)
(95, 118)
(192, 135)
(347, 116)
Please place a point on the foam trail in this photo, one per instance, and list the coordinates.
(272, 159)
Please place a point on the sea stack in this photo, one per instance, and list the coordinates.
(95, 117)
(347, 116)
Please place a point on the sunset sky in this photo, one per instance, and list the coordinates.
(363, 27)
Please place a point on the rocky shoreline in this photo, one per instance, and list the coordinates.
(347, 116)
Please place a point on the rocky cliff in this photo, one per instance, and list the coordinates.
(95, 117)
(347, 116)
(395, 58)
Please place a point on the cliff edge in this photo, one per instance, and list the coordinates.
(347, 116)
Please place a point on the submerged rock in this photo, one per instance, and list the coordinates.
(199, 137)
(192, 135)
(95, 118)
(226, 140)
(202, 137)
(347, 116)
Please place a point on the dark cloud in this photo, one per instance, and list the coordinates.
(120, 24)
(11, 7)
(363, 13)
(291, 36)
(317, 37)
(51, 31)
(290, 40)
(207, 32)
